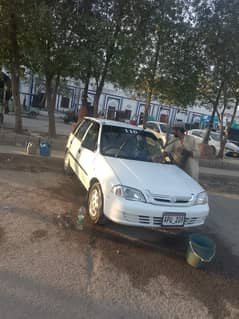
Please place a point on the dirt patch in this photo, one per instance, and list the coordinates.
(38, 234)
(69, 190)
(1, 234)
(30, 163)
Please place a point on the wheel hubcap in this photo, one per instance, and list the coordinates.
(95, 202)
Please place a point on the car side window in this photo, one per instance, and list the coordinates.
(91, 138)
(198, 134)
(82, 129)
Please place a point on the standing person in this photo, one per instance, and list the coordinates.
(83, 109)
(184, 151)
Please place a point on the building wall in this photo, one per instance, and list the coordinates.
(120, 100)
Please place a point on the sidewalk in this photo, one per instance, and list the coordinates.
(8, 149)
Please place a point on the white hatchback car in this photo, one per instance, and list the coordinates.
(159, 129)
(231, 149)
(114, 162)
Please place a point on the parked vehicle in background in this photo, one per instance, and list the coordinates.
(31, 112)
(70, 116)
(159, 129)
(231, 149)
(115, 163)
(233, 136)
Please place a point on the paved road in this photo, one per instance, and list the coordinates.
(48, 270)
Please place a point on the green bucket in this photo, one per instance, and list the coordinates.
(200, 250)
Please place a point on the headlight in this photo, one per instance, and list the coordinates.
(201, 198)
(128, 193)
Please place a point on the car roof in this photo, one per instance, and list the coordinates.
(114, 123)
(157, 122)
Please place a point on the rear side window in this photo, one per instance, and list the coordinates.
(198, 134)
(90, 140)
(82, 129)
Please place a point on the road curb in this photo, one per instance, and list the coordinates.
(219, 164)
(21, 140)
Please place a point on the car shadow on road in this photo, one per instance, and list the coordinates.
(169, 243)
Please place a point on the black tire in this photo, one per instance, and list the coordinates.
(67, 169)
(214, 151)
(96, 205)
(32, 115)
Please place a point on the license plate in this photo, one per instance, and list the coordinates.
(173, 219)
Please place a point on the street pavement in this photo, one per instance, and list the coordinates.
(50, 270)
(38, 125)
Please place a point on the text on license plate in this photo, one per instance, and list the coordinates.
(173, 219)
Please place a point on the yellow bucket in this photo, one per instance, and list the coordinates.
(200, 250)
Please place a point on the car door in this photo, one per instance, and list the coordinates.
(74, 143)
(87, 153)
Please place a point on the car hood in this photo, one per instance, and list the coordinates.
(164, 179)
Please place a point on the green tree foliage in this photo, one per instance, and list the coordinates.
(12, 34)
(160, 71)
(216, 27)
(107, 46)
(50, 47)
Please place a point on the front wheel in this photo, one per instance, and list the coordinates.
(95, 204)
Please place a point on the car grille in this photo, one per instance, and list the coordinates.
(156, 221)
(173, 200)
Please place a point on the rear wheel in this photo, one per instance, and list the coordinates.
(214, 151)
(95, 204)
(32, 114)
(67, 168)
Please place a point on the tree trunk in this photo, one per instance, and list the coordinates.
(223, 134)
(50, 106)
(215, 105)
(56, 86)
(147, 106)
(16, 100)
(97, 100)
(84, 100)
(85, 91)
(224, 140)
(15, 68)
(151, 83)
(102, 80)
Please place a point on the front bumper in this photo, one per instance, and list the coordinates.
(134, 213)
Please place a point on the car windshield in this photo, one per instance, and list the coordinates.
(127, 143)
